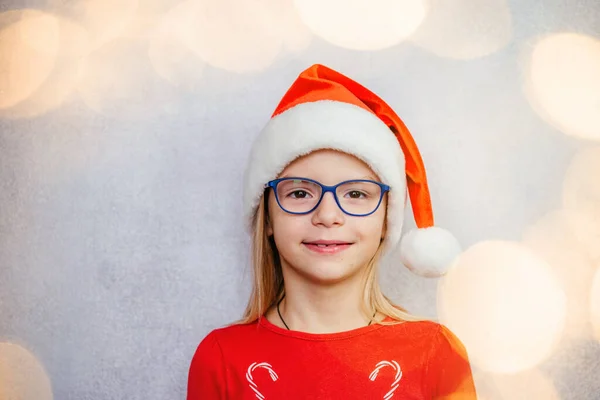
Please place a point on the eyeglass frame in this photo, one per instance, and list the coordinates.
(324, 189)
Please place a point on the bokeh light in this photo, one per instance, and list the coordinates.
(296, 35)
(530, 384)
(505, 304)
(60, 82)
(104, 20)
(29, 44)
(362, 24)
(554, 240)
(595, 304)
(118, 80)
(231, 35)
(172, 59)
(465, 29)
(563, 83)
(244, 38)
(148, 15)
(22, 377)
(581, 195)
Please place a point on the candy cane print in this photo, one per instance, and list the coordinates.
(395, 384)
(253, 385)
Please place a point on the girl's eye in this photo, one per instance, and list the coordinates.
(299, 194)
(356, 194)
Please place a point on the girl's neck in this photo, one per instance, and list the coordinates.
(321, 309)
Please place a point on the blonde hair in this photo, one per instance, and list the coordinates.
(268, 289)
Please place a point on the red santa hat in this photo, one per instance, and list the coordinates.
(324, 109)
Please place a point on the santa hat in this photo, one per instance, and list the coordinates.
(324, 109)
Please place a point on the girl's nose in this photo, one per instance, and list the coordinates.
(328, 213)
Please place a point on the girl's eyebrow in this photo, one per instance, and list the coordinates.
(368, 177)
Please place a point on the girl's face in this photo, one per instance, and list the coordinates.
(295, 235)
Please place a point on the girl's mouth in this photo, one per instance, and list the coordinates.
(327, 248)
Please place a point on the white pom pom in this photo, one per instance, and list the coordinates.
(429, 252)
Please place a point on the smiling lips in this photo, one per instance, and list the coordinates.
(327, 246)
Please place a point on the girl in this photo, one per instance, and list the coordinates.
(325, 191)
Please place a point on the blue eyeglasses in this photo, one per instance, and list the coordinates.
(358, 197)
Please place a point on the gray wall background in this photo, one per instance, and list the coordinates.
(122, 151)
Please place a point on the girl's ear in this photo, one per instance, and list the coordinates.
(269, 226)
(385, 223)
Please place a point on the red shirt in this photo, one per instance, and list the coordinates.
(411, 360)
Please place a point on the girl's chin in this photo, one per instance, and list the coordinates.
(328, 272)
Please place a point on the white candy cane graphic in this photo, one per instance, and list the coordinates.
(395, 384)
(253, 385)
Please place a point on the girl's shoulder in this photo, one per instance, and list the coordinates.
(231, 331)
(435, 335)
(419, 328)
(446, 356)
(210, 349)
